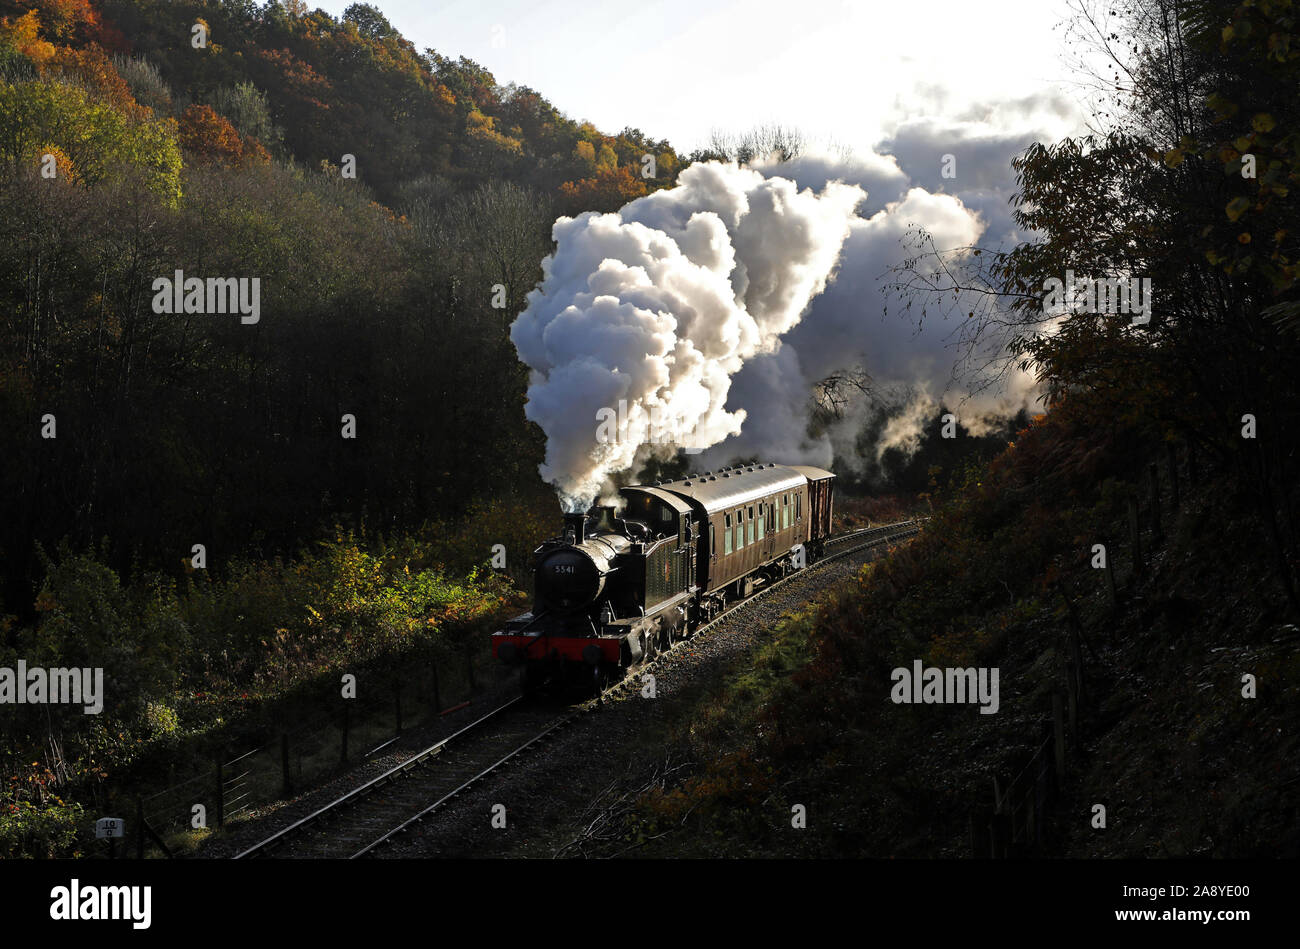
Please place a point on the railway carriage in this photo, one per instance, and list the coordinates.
(619, 585)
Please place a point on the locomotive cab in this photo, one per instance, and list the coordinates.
(616, 587)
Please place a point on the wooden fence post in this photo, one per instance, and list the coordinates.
(1072, 616)
(1154, 472)
(284, 764)
(1040, 796)
(1076, 653)
(1135, 536)
(1109, 570)
(1072, 706)
(997, 824)
(1030, 819)
(1174, 489)
(221, 793)
(1058, 732)
(995, 842)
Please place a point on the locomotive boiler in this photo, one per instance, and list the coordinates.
(622, 584)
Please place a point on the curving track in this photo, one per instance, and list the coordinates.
(363, 820)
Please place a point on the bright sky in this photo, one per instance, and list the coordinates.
(678, 69)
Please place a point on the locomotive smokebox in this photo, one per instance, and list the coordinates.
(575, 525)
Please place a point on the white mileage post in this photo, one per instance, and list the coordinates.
(112, 828)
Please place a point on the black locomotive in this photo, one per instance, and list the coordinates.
(616, 588)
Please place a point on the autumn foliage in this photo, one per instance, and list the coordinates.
(608, 190)
(93, 69)
(210, 138)
(123, 161)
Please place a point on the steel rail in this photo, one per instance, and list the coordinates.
(559, 723)
(901, 529)
(373, 783)
(876, 535)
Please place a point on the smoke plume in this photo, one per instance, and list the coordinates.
(643, 316)
(701, 309)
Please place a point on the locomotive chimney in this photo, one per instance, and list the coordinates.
(576, 524)
(605, 517)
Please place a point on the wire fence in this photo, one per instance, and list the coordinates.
(314, 741)
(1018, 821)
(323, 739)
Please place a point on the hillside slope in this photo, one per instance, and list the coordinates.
(1184, 764)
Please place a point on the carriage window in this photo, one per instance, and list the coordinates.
(740, 528)
(785, 511)
(726, 537)
(798, 507)
(762, 519)
(713, 550)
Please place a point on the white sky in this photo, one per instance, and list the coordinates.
(677, 69)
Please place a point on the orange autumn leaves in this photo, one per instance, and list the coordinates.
(24, 34)
(211, 139)
(63, 20)
(33, 31)
(607, 190)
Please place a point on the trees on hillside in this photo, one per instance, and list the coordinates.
(98, 140)
(386, 298)
(1188, 183)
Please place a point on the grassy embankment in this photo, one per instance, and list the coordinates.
(223, 660)
(1184, 764)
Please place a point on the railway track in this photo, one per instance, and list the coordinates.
(362, 821)
(351, 825)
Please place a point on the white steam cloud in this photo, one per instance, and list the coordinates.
(647, 313)
(916, 368)
(701, 308)
(845, 328)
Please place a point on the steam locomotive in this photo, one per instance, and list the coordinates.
(616, 588)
